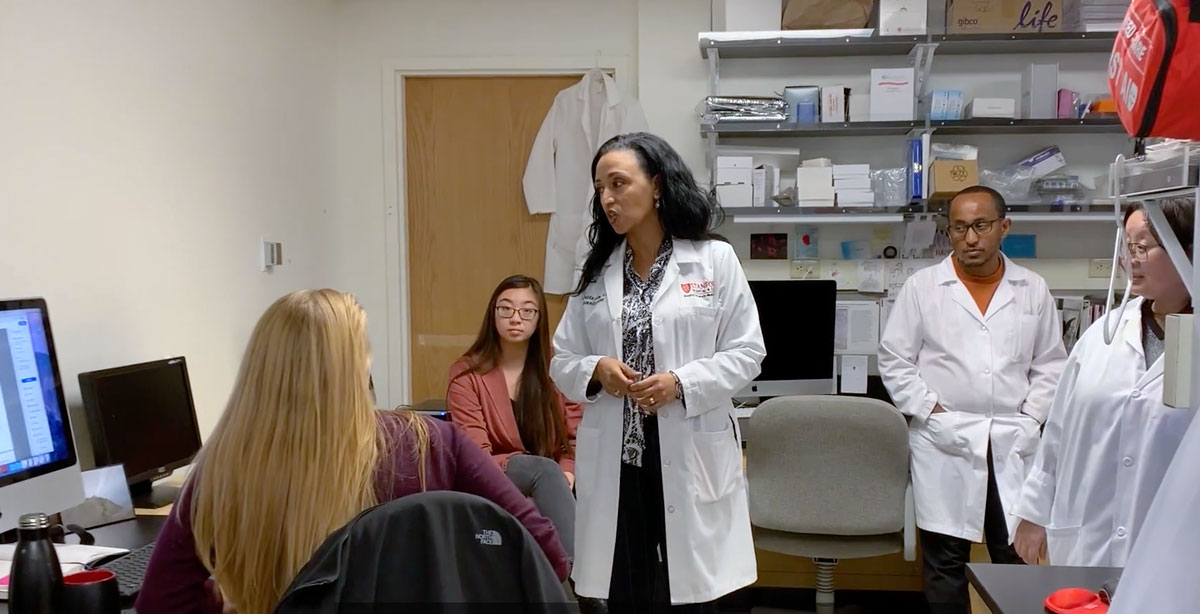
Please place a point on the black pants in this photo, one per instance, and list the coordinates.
(945, 558)
(640, 584)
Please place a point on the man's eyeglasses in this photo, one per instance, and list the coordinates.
(982, 227)
(1138, 252)
(527, 313)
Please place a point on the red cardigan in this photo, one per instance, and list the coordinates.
(479, 403)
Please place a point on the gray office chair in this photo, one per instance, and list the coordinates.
(828, 479)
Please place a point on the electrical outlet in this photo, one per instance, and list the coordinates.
(1100, 268)
(806, 269)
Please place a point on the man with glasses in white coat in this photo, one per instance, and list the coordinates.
(972, 353)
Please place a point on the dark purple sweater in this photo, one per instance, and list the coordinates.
(176, 580)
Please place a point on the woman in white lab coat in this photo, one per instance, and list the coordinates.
(1110, 438)
(659, 334)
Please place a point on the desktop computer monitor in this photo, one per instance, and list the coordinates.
(142, 416)
(38, 468)
(797, 319)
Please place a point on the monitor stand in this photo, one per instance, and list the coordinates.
(148, 495)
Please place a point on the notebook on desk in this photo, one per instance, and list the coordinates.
(71, 557)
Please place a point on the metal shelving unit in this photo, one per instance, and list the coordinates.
(876, 215)
(785, 44)
(958, 127)
(920, 51)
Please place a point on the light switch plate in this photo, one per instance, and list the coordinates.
(806, 269)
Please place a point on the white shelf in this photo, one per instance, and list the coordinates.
(796, 215)
(821, 218)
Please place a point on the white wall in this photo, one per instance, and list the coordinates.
(146, 146)
(370, 34)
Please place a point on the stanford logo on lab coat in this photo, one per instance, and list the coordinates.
(697, 289)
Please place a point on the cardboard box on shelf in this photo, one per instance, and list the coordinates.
(1002, 108)
(902, 17)
(747, 15)
(1004, 16)
(892, 94)
(952, 176)
(833, 104)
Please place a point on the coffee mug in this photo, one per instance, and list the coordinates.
(92, 592)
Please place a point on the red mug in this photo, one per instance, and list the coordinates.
(92, 592)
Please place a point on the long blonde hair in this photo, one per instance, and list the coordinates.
(294, 456)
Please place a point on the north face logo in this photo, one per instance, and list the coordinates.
(488, 537)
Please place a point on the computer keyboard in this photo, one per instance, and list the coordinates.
(130, 569)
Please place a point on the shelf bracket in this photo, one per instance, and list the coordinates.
(921, 57)
(714, 71)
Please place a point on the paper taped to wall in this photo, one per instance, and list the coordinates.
(856, 327)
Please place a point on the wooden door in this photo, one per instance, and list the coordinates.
(466, 144)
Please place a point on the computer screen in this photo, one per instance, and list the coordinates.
(39, 471)
(142, 416)
(797, 319)
(34, 435)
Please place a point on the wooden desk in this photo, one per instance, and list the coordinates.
(1022, 589)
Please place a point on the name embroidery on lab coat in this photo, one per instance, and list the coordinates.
(594, 299)
(697, 289)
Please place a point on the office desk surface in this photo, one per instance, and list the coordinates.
(130, 534)
(1022, 589)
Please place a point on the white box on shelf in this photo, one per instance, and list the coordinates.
(892, 94)
(766, 185)
(860, 107)
(735, 162)
(814, 184)
(902, 17)
(1001, 108)
(1039, 91)
(747, 15)
(833, 104)
(851, 170)
(736, 195)
(852, 183)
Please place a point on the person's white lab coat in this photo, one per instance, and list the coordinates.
(1160, 575)
(558, 176)
(706, 330)
(994, 375)
(1106, 446)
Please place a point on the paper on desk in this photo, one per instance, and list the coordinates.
(854, 374)
(870, 276)
(856, 327)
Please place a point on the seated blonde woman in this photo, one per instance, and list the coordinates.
(300, 451)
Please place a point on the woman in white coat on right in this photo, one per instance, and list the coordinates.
(1109, 438)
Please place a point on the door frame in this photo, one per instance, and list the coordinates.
(397, 388)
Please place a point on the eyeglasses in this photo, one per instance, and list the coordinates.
(1137, 251)
(982, 227)
(527, 313)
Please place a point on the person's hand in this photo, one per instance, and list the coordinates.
(653, 392)
(570, 479)
(615, 376)
(1030, 542)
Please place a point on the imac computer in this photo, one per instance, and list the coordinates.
(797, 319)
(38, 468)
(142, 416)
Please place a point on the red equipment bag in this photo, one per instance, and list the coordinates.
(1154, 70)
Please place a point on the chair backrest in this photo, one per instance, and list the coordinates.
(827, 465)
(437, 547)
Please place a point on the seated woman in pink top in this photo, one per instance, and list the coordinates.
(501, 394)
(298, 453)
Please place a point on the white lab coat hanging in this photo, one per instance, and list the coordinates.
(1106, 447)
(558, 175)
(706, 330)
(994, 374)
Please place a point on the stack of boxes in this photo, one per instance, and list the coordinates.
(852, 185)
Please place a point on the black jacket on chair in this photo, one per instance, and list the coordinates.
(439, 551)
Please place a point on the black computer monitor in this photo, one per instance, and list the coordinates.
(797, 319)
(142, 416)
